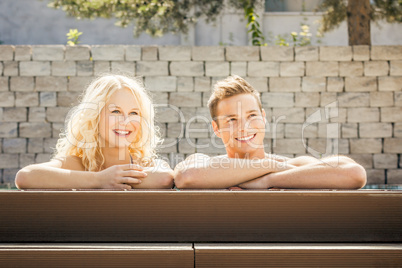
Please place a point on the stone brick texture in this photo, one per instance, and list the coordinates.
(348, 99)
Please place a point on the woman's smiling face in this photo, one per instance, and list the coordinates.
(120, 120)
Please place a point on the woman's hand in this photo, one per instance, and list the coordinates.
(120, 176)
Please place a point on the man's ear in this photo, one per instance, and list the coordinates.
(264, 116)
(216, 128)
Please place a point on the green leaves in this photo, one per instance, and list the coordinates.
(257, 37)
(336, 12)
(72, 37)
(390, 10)
(158, 17)
(152, 16)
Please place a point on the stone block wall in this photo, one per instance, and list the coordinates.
(356, 92)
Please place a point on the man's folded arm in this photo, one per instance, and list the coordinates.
(201, 171)
(336, 172)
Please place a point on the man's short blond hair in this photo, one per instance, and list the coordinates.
(231, 86)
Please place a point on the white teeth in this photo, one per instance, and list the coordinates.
(245, 138)
(122, 132)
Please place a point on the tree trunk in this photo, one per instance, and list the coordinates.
(359, 22)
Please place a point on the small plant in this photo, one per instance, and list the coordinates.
(72, 37)
(231, 39)
(257, 37)
(303, 38)
(280, 40)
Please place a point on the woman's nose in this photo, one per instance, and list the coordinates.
(124, 119)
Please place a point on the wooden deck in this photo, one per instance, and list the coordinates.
(298, 255)
(200, 255)
(201, 228)
(97, 255)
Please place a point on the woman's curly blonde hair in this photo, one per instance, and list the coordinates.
(81, 135)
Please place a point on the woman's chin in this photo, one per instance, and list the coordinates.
(120, 145)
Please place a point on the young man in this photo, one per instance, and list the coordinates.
(239, 120)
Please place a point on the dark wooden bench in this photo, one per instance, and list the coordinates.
(201, 228)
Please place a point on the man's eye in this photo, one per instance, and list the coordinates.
(232, 120)
(251, 115)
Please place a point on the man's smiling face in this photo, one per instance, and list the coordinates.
(241, 125)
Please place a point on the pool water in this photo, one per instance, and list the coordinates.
(384, 186)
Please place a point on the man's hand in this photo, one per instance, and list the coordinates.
(263, 182)
(235, 188)
(258, 183)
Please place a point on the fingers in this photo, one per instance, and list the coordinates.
(129, 180)
(131, 167)
(126, 186)
(134, 173)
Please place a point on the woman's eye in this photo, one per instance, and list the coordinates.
(134, 113)
(115, 111)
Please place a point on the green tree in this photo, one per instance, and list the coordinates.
(157, 17)
(359, 14)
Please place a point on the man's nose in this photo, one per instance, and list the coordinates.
(243, 124)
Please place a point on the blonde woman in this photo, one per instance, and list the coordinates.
(109, 142)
